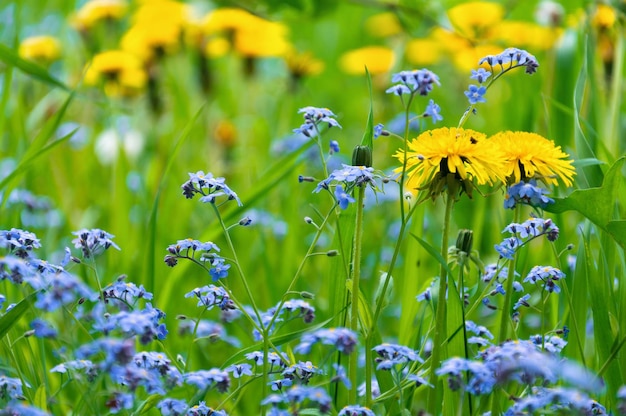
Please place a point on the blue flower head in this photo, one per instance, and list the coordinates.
(512, 58)
(209, 187)
(480, 75)
(527, 193)
(343, 198)
(313, 117)
(93, 242)
(417, 81)
(433, 110)
(475, 94)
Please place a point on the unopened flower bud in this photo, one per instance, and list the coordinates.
(464, 241)
(307, 295)
(362, 156)
(245, 221)
(332, 253)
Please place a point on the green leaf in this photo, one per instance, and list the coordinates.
(12, 316)
(40, 397)
(598, 204)
(433, 252)
(368, 136)
(11, 58)
(148, 404)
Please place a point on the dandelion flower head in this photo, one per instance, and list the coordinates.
(377, 59)
(529, 155)
(95, 11)
(464, 153)
(40, 48)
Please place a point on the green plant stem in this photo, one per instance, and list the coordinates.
(354, 313)
(505, 317)
(433, 405)
(264, 330)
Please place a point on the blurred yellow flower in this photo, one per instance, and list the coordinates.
(475, 19)
(96, 10)
(157, 28)
(40, 48)
(423, 51)
(527, 35)
(262, 39)
(450, 159)
(303, 64)
(216, 46)
(383, 25)
(604, 17)
(227, 19)
(251, 36)
(468, 58)
(149, 41)
(529, 155)
(449, 41)
(121, 72)
(225, 133)
(377, 59)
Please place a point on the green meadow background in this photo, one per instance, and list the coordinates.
(242, 130)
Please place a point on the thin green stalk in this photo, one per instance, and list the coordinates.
(461, 292)
(264, 329)
(433, 404)
(505, 317)
(354, 314)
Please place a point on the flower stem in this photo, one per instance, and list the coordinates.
(505, 317)
(440, 319)
(356, 274)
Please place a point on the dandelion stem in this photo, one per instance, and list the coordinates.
(440, 320)
(356, 274)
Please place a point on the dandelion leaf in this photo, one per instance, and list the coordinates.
(598, 204)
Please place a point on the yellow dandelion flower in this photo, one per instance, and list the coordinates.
(216, 46)
(164, 11)
(40, 48)
(529, 155)
(452, 159)
(475, 19)
(97, 10)
(467, 59)
(423, 51)
(227, 19)
(377, 59)
(449, 41)
(527, 35)
(121, 72)
(383, 25)
(149, 40)
(261, 39)
(303, 64)
(604, 17)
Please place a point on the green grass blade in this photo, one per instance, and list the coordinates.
(152, 221)
(12, 59)
(11, 317)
